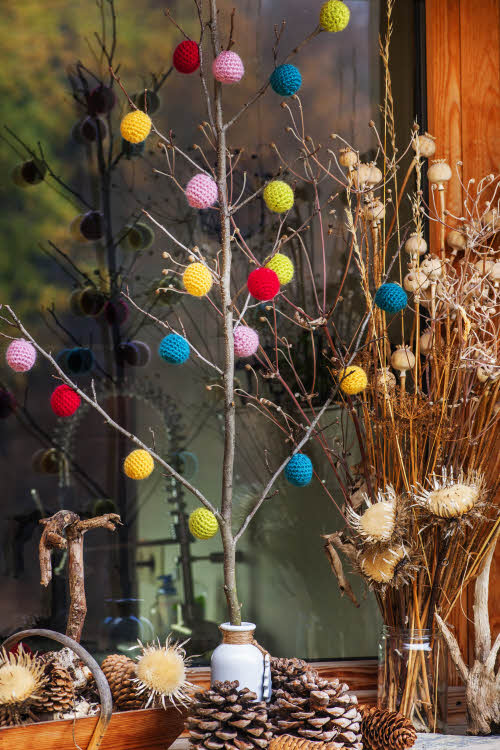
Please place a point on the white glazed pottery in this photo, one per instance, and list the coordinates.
(242, 661)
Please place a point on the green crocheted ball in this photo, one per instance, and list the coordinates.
(334, 16)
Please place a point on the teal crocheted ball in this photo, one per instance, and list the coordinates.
(174, 349)
(286, 80)
(299, 470)
(391, 298)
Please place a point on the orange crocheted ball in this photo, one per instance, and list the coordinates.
(136, 126)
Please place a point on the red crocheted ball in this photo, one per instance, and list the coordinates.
(186, 57)
(64, 401)
(263, 284)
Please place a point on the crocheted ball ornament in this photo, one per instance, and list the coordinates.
(77, 361)
(88, 301)
(116, 312)
(7, 403)
(203, 524)
(228, 67)
(65, 401)
(89, 129)
(352, 380)
(139, 464)
(334, 15)
(92, 226)
(278, 196)
(201, 191)
(135, 353)
(299, 470)
(186, 57)
(148, 101)
(286, 80)
(135, 126)
(132, 150)
(174, 349)
(283, 267)
(20, 355)
(33, 171)
(140, 236)
(197, 279)
(101, 100)
(246, 341)
(391, 298)
(263, 284)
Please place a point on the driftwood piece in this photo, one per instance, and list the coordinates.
(65, 530)
(482, 685)
(336, 540)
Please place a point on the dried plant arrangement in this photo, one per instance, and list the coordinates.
(418, 378)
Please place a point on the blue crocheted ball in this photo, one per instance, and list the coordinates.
(286, 80)
(391, 297)
(299, 470)
(174, 349)
(78, 361)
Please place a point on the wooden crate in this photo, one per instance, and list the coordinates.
(148, 729)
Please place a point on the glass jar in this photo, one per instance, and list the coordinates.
(412, 676)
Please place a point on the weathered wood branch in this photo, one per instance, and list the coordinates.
(65, 530)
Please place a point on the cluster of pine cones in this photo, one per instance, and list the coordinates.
(306, 712)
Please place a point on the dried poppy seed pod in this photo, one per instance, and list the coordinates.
(426, 341)
(385, 380)
(403, 359)
(426, 145)
(415, 281)
(415, 244)
(361, 175)
(374, 211)
(348, 158)
(439, 172)
(456, 240)
(491, 220)
(484, 266)
(432, 267)
(375, 174)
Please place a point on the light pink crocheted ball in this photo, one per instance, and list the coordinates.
(201, 191)
(246, 341)
(228, 67)
(21, 355)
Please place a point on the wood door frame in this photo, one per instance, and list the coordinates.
(462, 41)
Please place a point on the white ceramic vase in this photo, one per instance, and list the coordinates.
(238, 659)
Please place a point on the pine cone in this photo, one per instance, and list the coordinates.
(386, 730)
(58, 695)
(319, 710)
(120, 672)
(285, 671)
(226, 718)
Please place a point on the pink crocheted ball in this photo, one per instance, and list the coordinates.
(228, 67)
(246, 341)
(201, 191)
(21, 355)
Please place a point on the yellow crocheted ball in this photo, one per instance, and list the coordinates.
(282, 266)
(203, 524)
(334, 15)
(139, 464)
(197, 279)
(136, 126)
(352, 380)
(278, 196)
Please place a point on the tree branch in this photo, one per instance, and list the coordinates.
(454, 649)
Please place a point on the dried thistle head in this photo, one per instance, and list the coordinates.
(161, 673)
(22, 679)
(385, 566)
(450, 497)
(377, 523)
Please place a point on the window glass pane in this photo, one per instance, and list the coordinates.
(151, 576)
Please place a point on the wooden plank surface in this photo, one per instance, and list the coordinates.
(463, 98)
